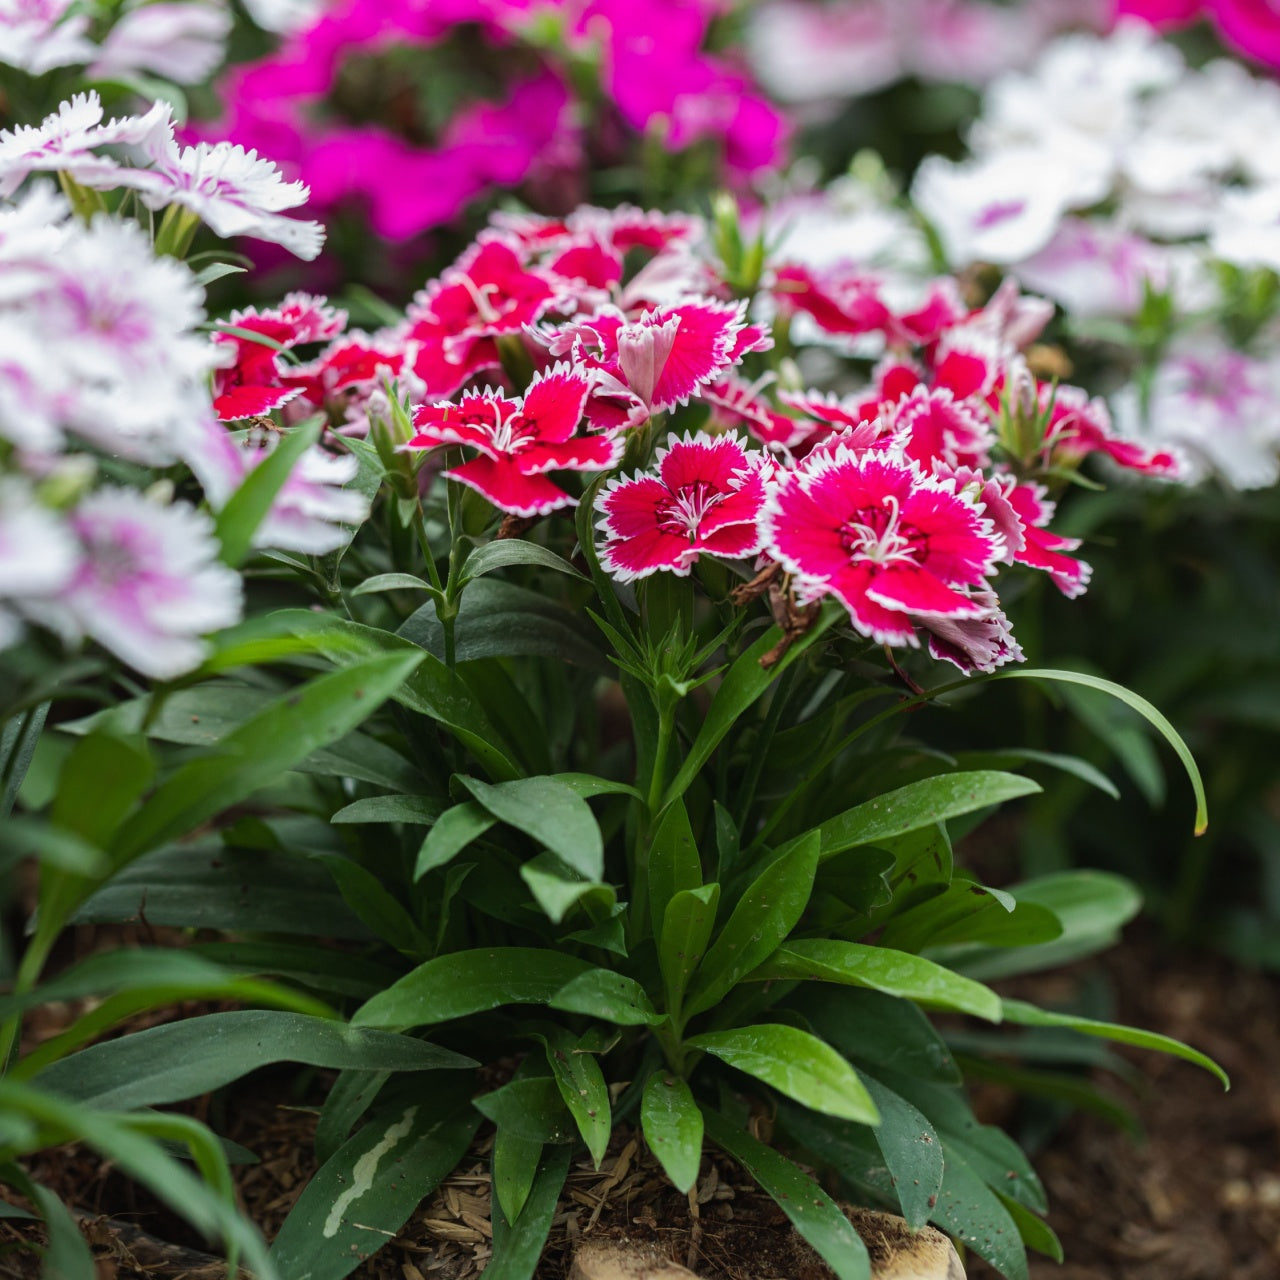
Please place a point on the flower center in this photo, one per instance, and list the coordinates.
(879, 538)
(685, 511)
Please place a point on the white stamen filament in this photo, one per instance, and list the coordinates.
(889, 546)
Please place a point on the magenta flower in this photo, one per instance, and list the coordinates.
(520, 440)
(1079, 426)
(706, 497)
(890, 543)
(252, 382)
(936, 427)
(669, 353)
(1041, 548)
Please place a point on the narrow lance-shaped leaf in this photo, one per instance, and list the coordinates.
(768, 911)
(812, 1212)
(264, 747)
(1145, 709)
(1027, 1015)
(246, 509)
(921, 804)
(365, 1192)
(452, 986)
(517, 1246)
(583, 1088)
(673, 1127)
(549, 812)
(674, 864)
(686, 930)
(743, 684)
(896, 973)
(182, 1060)
(795, 1063)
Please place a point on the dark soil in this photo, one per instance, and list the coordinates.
(1199, 1199)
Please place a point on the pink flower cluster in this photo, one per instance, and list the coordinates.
(900, 500)
(649, 57)
(1251, 26)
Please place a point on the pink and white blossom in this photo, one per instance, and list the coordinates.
(38, 35)
(234, 192)
(183, 42)
(147, 583)
(65, 142)
(520, 440)
(705, 498)
(37, 554)
(891, 543)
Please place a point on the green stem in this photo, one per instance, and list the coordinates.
(666, 725)
(755, 765)
(28, 975)
(446, 610)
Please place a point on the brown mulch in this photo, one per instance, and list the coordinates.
(1199, 1199)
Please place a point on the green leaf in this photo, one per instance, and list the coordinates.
(432, 689)
(515, 1166)
(686, 930)
(968, 1210)
(531, 1109)
(67, 1256)
(509, 551)
(498, 619)
(323, 968)
(969, 912)
(99, 785)
(204, 884)
(673, 1128)
(743, 684)
(896, 973)
(131, 981)
(1035, 1232)
(18, 740)
(256, 753)
(812, 1212)
(765, 914)
(415, 810)
(795, 1063)
(141, 1158)
(452, 986)
(549, 812)
(583, 1088)
(361, 1197)
(674, 865)
(912, 1153)
(518, 1245)
(588, 785)
(1013, 756)
(246, 509)
(366, 895)
(34, 838)
(921, 804)
(557, 888)
(394, 582)
(184, 1059)
(1090, 906)
(1027, 1015)
(878, 1029)
(352, 1094)
(611, 997)
(450, 834)
(1145, 709)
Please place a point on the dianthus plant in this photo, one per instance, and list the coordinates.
(607, 782)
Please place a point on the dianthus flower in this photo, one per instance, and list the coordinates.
(889, 542)
(519, 440)
(705, 498)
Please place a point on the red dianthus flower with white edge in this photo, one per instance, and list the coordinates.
(705, 498)
(889, 542)
(1043, 549)
(519, 440)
